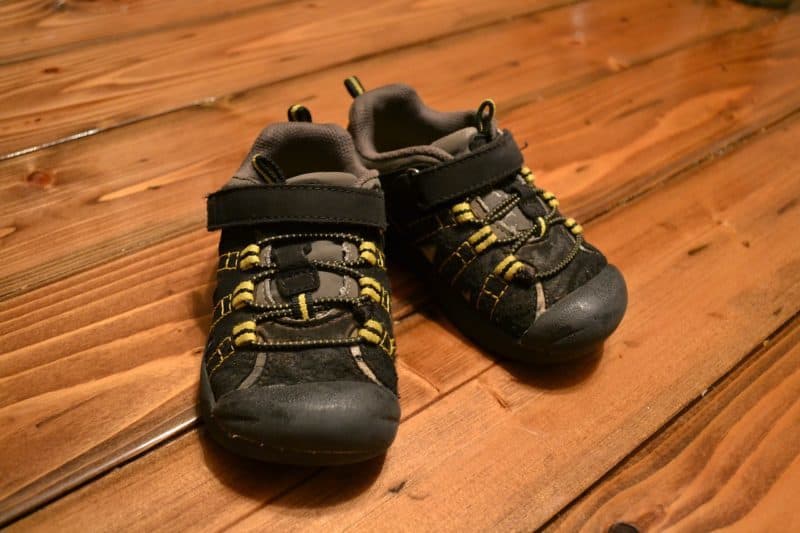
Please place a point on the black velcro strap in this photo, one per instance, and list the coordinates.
(260, 204)
(457, 178)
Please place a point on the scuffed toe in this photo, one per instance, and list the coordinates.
(310, 423)
(582, 320)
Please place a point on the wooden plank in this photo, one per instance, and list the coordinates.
(79, 349)
(93, 389)
(653, 121)
(82, 204)
(122, 290)
(697, 241)
(97, 87)
(508, 448)
(445, 374)
(732, 460)
(34, 28)
(77, 325)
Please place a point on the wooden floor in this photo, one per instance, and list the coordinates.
(669, 128)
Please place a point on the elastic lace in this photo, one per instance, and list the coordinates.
(273, 312)
(540, 225)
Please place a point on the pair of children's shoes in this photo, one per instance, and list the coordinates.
(299, 365)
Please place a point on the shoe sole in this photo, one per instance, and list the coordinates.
(270, 439)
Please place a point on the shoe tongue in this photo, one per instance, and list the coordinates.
(457, 143)
(331, 284)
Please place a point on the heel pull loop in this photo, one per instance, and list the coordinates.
(354, 86)
(299, 113)
(485, 115)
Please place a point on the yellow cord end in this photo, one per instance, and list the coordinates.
(462, 212)
(249, 257)
(245, 333)
(243, 294)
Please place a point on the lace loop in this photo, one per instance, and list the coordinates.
(484, 237)
(302, 306)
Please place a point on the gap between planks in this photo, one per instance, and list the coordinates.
(157, 102)
(51, 268)
(104, 35)
(760, 200)
(443, 397)
(204, 102)
(650, 452)
(755, 352)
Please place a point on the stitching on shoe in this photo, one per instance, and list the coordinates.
(223, 313)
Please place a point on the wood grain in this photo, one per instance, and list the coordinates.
(509, 447)
(116, 436)
(70, 366)
(34, 28)
(731, 461)
(104, 196)
(66, 333)
(558, 435)
(92, 88)
(128, 331)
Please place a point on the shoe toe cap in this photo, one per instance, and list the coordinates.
(578, 323)
(344, 417)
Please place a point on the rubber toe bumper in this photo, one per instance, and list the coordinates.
(578, 323)
(321, 423)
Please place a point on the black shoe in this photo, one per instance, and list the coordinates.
(509, 270)
(299, 366)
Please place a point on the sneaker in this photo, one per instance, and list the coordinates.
(299, 365)
(509, 270)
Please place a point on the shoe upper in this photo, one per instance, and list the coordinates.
(302, 294)
(457, 188)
